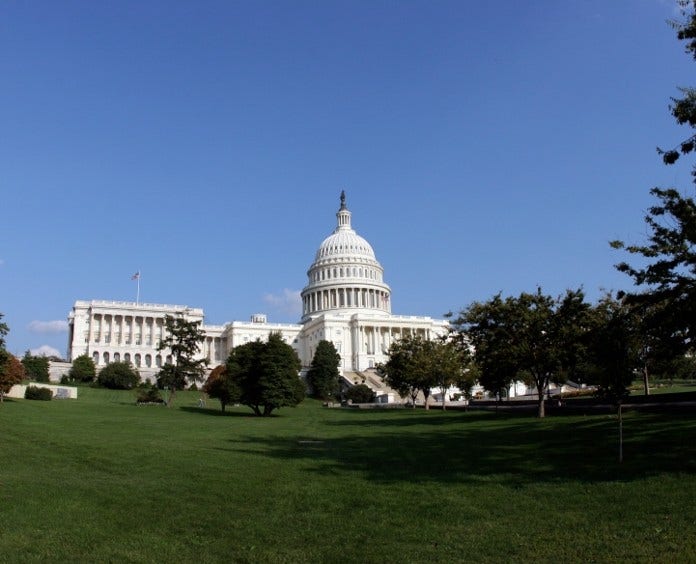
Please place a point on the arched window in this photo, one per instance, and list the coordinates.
(126, 357)
(137, 360)
(158, 360)
(148, 360)
(106, 358)
(95, 357)
(117, 357)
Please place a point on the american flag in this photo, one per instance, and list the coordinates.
(136, 276)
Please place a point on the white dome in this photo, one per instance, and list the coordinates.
(342, 243)
(345, 273)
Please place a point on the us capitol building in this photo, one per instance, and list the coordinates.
(346, 301)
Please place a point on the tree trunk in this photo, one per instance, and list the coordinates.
(170, 399)
(646, 385)
(620, 434)
(541, 412)
(427, 407)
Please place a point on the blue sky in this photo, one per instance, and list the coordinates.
(483, 147)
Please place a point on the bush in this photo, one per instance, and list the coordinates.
(360, 394)
(118, 376)
(149, 395)
(83, 369)
(37, 393)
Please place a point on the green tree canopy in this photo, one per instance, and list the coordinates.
(266, 374)
(665, 277)
(409, 369)
(323, 374)
(531, 337)
(83, 369)
(36, 367)
(220, 387)
(11, 372)
(360, 393)
(119, 375)
(182, 340)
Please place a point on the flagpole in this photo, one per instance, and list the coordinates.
(137, 296)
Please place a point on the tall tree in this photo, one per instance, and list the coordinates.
(83, 369)
(323, 374)
(524, 337)
(11, 372)
(408, 369)
(665, 278)
(6, 381)
(182, 340)
(449, 361)
(267, 375)
(221, 387)
(615, 350)
(37, 367)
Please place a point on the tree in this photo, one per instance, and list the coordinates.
(360, 393)
(119, 375)
(7, 376)
(219, 386)
(615, 351)
(448, 362)
(323, 374)
(684, 109)
(266, 374)
(665, 281)
(409, 368)
(82, 369)
(182, 340)
(528, 337)
(11, 372)
(36, 367)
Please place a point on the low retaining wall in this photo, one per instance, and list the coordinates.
(59, 392)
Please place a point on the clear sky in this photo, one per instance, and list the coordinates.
(484, 147)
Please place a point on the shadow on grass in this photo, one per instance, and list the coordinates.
(218, 412)
(509, 450)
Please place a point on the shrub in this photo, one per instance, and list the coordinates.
(83, 369)
(149, 395)
(360, 394)
(118, 376)
(37, 393)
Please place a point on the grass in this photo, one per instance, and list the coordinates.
(100, 479)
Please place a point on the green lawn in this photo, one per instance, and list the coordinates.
(99, 479)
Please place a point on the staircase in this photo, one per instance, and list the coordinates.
(372, 380)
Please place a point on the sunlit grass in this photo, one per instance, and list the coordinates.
(100, 479)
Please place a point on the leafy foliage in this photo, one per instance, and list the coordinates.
(149, 394)
(36, 367)
(684, 109)
(182, 340)
(532, 336)
(416, 365)
(323, 376)
(615, 349)
(118, 376)
(360, 393)
(38, 393)
(408, 369)
(665, 295)
(219, 386)
(266, 375)
(82, 369)
(11, 372)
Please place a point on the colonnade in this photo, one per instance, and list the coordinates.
(333, 298)
(107, 336)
